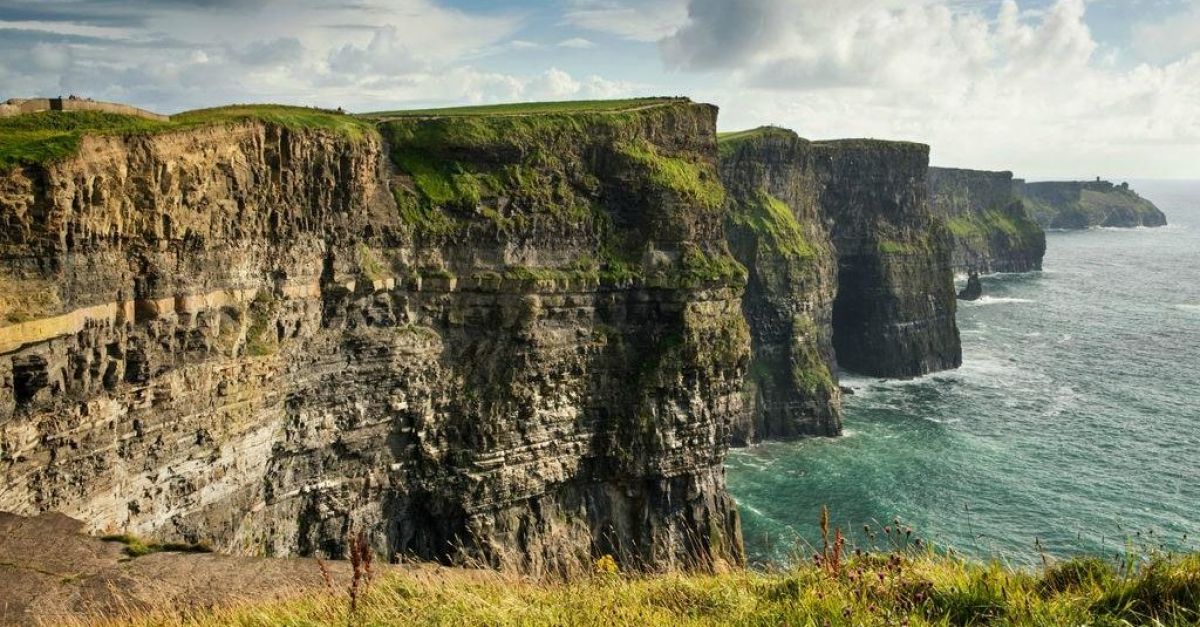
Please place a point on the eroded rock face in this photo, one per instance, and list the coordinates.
(844, 253)
(989, 225)
(894, 315)
(776, 229)
(1086, 204)
(250, 343)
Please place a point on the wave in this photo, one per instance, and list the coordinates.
(1193, 307)
(998, 300)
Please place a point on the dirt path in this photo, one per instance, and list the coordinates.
(51, 574)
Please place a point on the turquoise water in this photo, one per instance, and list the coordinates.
(1073, 423)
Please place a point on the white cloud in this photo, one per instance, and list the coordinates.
(576, 42)
(1171, 37)
(1015, 89)
(639, 20)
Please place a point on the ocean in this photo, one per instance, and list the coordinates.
(1073, 426)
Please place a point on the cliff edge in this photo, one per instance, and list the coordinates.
(989, 225)
(492, 338)
(848, 266)
(1087, 204)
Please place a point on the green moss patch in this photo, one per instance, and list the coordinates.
(771, 220)
(47, 136)
(137, 547)
(691, 180)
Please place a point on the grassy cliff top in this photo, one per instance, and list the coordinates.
(36, 138)
(878, 589)
(534, 108)
(735, 138)
(756, 133)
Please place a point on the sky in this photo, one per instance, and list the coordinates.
(1046, 88)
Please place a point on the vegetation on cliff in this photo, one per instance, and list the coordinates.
(48, 136)
(1084, 204)
(900, 588)
(531, 108)
(572, 168)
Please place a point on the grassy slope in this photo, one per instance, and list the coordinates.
(529, 108)
(918, 588)
(52, 135)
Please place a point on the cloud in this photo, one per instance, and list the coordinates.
(180, 54)
(639, 20)
(1169, 38)
(1005, 89)
(576, 42)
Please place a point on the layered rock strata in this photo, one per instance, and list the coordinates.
(777, 231)
(1087, 204)
(518, 341)
(989, 225)
(847, 266)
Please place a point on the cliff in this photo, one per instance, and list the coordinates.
(989, 225)
(1087, 204)
(776, 230)
(894, 315)
(847, 266)
(505, 338)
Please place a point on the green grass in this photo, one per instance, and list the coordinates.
(691, 180)
(982, 227)
(49, 136)
(774, 224)
(137, 547)
(531, 108)
(916, 589)
(891, 247)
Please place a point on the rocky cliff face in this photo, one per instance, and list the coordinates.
(776, 230)
(894, 315)
(1086, 204)
(522, 344)
(843, 253)
(990, 228)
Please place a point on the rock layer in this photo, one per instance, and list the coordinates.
(990, 227)
(844, 253)
(776, 229)
(895, 310)
(1087, 204)
(261, 337)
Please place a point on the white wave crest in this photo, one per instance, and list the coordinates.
(999, 300)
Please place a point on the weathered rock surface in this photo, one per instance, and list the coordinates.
(894, 315)
(776, 229)
(522, 346)
(973, 290)
(989, 225)
(51, 574)
(843, 252)
(1087, 204)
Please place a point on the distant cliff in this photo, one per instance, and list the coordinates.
(847, 265)
(1086, 204)
(511, 339)
(990, 228)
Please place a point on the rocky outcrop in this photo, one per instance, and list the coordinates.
(1087, 204)
(521, 344)
(990, 228)
(777, 231)
(973, 290)
(844, 254)
(894, 315)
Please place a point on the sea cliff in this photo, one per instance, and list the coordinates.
(848, 266)
(1087, 204)
(506, 339)
(989, 225)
